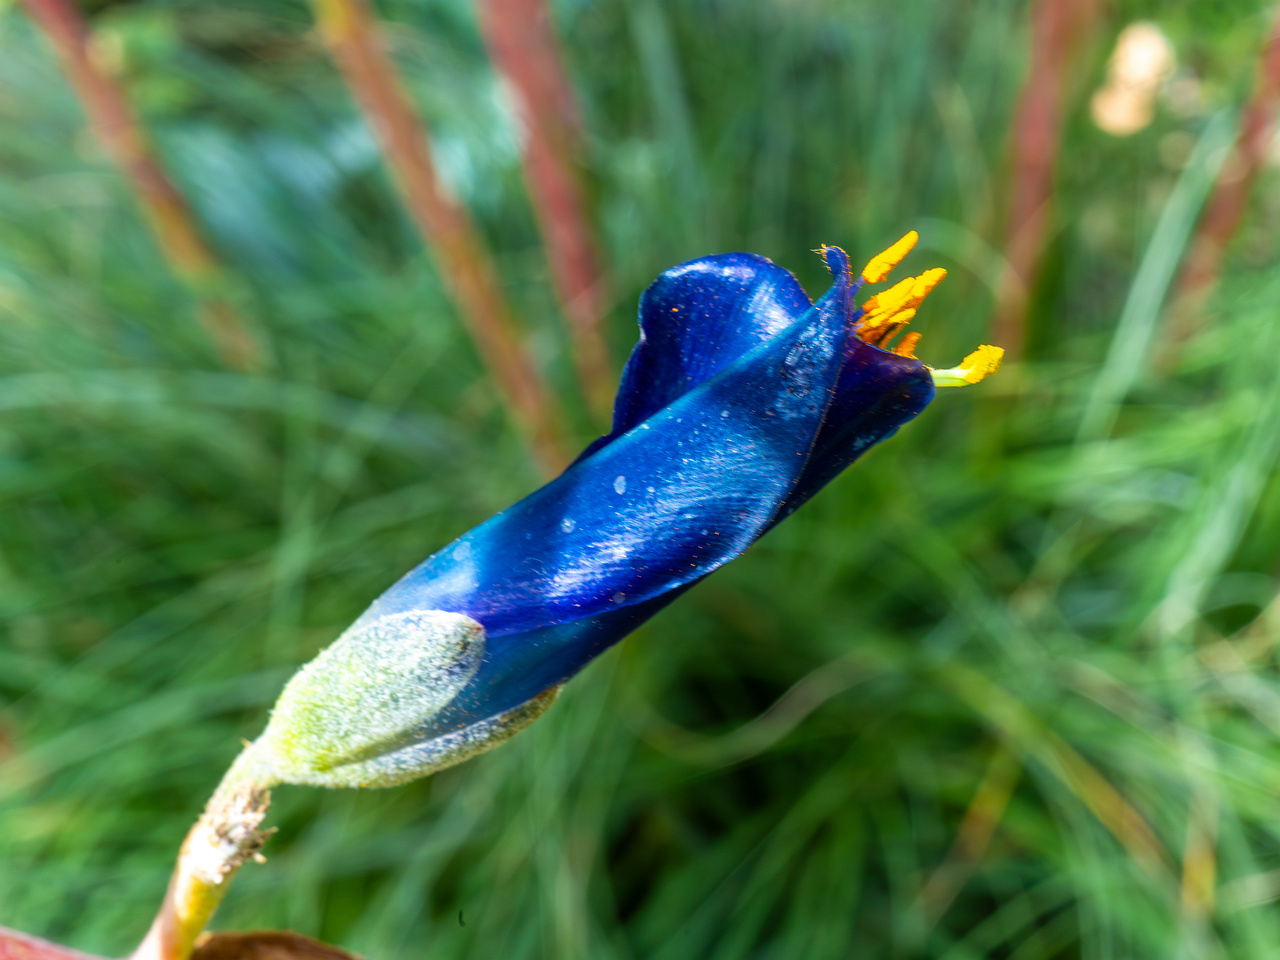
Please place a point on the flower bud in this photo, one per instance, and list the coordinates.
(362, 697)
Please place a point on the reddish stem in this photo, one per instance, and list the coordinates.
(446, 226)
(22, 946)
(1227, 205)
(1057, 26)
(522, 42)
(166, 210)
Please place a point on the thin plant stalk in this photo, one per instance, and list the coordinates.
(1235, 182)
(468, 271)
(522, 42)
(978, 827)
(15, 945)
(166, 210)
(1057, 27)
(227, 835)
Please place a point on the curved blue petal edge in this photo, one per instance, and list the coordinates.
(698, 318)
(741, 400)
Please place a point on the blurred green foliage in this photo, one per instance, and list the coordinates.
(991, 605)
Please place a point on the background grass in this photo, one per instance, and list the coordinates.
(1068, 633)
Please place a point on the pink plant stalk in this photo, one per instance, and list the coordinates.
(1057, 27)
(522, 42)
(465, 266)
(166, 210)
(21, 946)
(1231, 194)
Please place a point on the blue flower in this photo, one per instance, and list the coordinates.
(740, 402)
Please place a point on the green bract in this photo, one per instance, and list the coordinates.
(362, 697)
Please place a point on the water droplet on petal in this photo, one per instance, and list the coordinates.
(618, 597)
(620, 485)
(567, 525)
(724, 413)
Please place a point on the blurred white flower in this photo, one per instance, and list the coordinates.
(1142, 60)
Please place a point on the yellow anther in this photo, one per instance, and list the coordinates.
(904, 316)
(897, 305)
(907, 295)
(885, 314)
(924, 284)
(884, 334)
(907, 345)
(981, 363)
(879, 267)
(889, 301)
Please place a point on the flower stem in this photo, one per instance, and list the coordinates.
(349, 30)
(1057, 29)
(226, 836)
(1231, 194)
(15, 945)
(522, 42)
(165, 208)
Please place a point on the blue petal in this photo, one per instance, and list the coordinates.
(695, 320)
(877, 392)
(730, 416)
(518, 667)
(679, 495)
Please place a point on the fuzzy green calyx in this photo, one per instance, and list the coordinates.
(363, 696)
